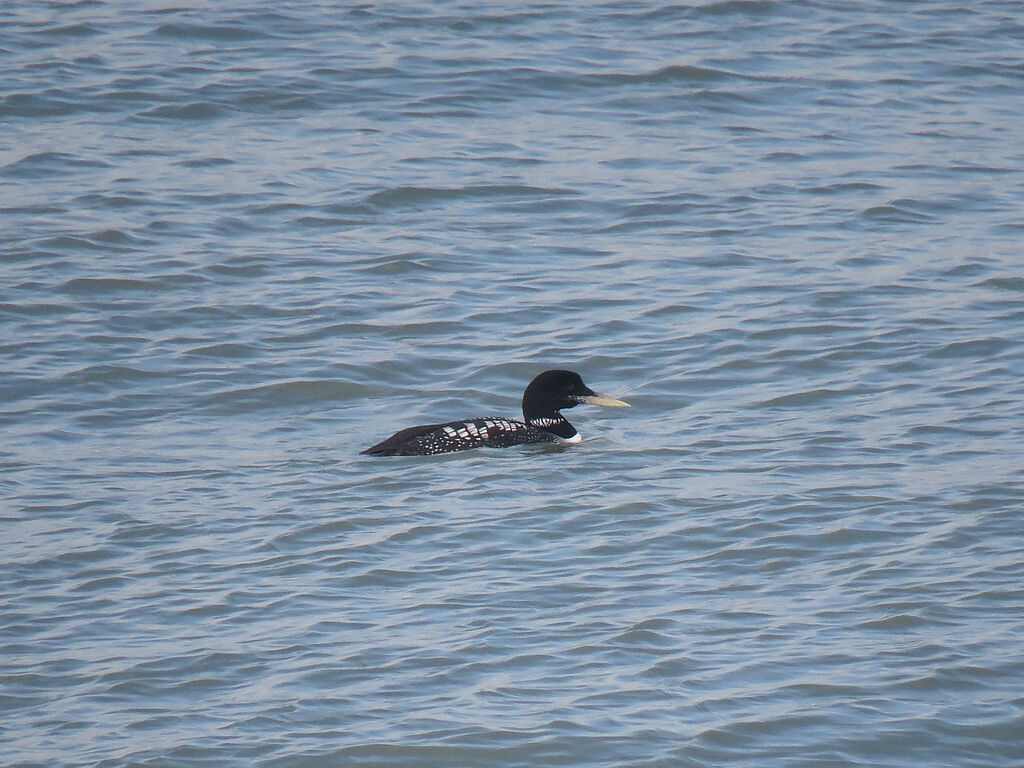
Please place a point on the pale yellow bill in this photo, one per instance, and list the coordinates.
(608, 402)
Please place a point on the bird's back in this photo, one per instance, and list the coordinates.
(428, 439)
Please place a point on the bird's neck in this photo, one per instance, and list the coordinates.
(552, 422)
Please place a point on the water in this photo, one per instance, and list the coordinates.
(243, 242)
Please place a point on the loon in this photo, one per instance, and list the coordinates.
(549, 393)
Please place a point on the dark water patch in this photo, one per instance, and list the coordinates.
(197, 110)
(288, 98)
(788, 157)
(843, 187)
(1012, 284)
(116, 237)
(110, 374)
(244, 267)
(400, 197)
(49, 164)
(105, 286)
(968, 269)
(895, 214)
(226, 350)
(84, 244)
(32, 209)
(389, 265)
(269, 209)
(114, 98)
(113, 201)
(981, 169)
(983, 349)
(647, 224)
(667, 75)
(32, 310)
(28, 105)
(213, 33)
(331, 222)
(749, 8)
(668, 207)
(287, 394)
(813, 397)
(206, 162)
(70, 30)
(817, 331)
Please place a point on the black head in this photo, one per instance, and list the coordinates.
(552, 391)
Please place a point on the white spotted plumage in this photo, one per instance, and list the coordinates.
(474, 433)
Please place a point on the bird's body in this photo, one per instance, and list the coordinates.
(546, 395)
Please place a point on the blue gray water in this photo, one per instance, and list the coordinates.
(242, 242)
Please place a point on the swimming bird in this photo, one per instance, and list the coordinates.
(548, 393)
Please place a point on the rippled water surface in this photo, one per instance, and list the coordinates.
(240, 243)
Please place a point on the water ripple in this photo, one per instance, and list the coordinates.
(242, 246)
